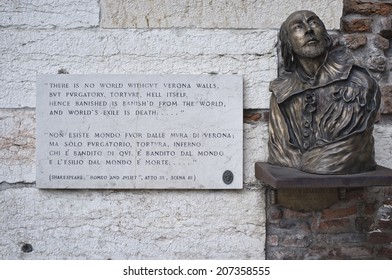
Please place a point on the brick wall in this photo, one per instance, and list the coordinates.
(367, 30)
(131, 37)
(359, 226)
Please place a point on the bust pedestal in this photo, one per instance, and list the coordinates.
(299, 190)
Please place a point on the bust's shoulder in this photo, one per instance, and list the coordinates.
(361, 76)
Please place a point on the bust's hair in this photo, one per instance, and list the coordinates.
(288, 55)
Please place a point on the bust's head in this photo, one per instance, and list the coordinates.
(303, 34)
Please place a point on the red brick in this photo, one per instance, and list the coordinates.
(385, 225)
(339, 213)
(366, 7)
(355, 41)
(380, 237)
(324, 253)
(295, 240)
(334, 226)
(385, 252)
(357, 252)
(370, 208)
(364, 224)
(356, 25)
(292, 214)
(252, 117)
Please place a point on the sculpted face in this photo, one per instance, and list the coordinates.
(306, 34)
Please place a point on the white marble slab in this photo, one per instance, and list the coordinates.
(140, 131)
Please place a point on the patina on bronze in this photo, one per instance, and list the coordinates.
(323, 107)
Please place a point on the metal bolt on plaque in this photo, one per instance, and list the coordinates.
(228, 177)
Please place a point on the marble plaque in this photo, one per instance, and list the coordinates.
(139, 131)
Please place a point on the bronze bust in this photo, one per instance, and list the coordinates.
(323, 108)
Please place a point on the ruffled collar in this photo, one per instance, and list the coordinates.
(336, 67)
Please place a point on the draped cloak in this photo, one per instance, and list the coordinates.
(324, 124)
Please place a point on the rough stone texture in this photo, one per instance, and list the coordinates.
(355, 41)
(363, 7)
(384, 27)
(132, 224)
(349, 229)
(17, 145)
(49, 13)
(211, 14)
(374, 20)
(255, 148)
(386, 105)
(381, 42)
(383, 144)
(354, 25)
(25, 54)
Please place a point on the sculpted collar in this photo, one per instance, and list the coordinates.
(336, 67)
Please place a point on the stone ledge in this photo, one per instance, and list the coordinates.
(284, 177)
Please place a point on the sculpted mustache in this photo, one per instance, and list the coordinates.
(311, 39)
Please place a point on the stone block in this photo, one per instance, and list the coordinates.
(384, 28)
(17, 145)
(355, 41)
(211, 14)
(245, 52)
(132, 224)
(381, 42)
(383, 144)
(49, 14)
(255, 148)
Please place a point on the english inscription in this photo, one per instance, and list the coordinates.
(139, 131)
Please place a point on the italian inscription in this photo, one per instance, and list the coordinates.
(139, 131)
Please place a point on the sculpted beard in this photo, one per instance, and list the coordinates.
(313, 49)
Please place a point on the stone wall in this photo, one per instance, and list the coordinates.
(359, 226)
(150, 37)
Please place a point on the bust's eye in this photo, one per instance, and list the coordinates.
(297, 26)
(313, 22)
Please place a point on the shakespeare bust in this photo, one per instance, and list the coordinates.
(323, 108)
